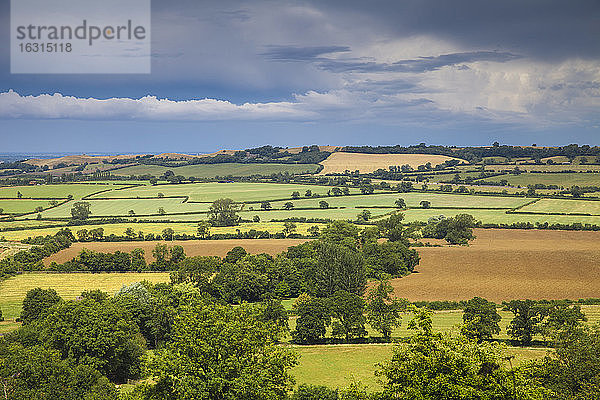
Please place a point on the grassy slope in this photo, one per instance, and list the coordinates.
(212, 170)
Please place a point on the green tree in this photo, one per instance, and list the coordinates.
(323, 204)
(364, 215)
(528, 316)
(168, 233)
(348, 310)
(130, 233)
(341, 232)
(425, 204)
(432, 366)
(460, 229)
(161, 211)
(223, 212)
(100, 335)
(313, 319)
(312, 392)
(289, 228)
(81, 210)
(203, 229)
(295, 195)
(480, 319)
(265, 205)
(394, 230)
(400, 203)
(308, 193)
(338, 268)
(39, 373)
(37, 304)
(313, 230)
(288, 205)
(383, 310)
(219, 352)
(82, 235)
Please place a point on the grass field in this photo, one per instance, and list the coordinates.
(508, 264)
(414, 199)
(339, 162)
(68, 286)
(191, 247)
(338, 365)
(225, 169)
(560, 179)
(209, 192)
(77, 190)
(563, 206)
(544, 167)
(121, 207)
(22, 205)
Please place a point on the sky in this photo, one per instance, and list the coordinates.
(239, 74)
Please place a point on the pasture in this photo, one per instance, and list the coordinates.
(340, 161)
(68, 286)
(563, 206)
(563, 179)
(224, 169)
(122, 207)
(22, 206)
(209, 192)
(58, 191)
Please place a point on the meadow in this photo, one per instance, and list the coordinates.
(22, 205)
(563, 206)
(224, 169)
(563, 179)
(57, 191)
(209, 192)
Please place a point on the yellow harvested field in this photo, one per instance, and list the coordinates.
(365, 163)
(506, 264)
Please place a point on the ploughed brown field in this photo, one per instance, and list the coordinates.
(506, 264)
(191, 247)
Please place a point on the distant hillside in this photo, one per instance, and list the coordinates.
(366, 163)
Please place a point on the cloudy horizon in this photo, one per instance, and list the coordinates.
(239, 74)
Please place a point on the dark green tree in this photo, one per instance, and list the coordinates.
(528, 316)
(348, 310)
(480, 319)
(314, 317)
(383, 310)
(37, 304)
(81, 210)
(223, 212)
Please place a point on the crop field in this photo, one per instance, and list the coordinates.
(560, 179)
(77, 190)
(191, 247)
(340, 161)
(213, 170)
(563, 206)
(121, 207)
(68, 286)
(508, 264)
(209, 192)
(22, 206)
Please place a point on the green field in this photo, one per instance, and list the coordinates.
(68, 286)
(338, 365)
(213, 170)
(121, 207)
(413, 199)
(563, 206)
(209, 192)
(22, 206)
(565, 179)
(77, 190)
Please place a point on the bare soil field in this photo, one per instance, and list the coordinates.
(191, 247)
(341, 161)
(505, 264)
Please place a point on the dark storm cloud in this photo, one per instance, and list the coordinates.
(421, 64)
(296, 53)
(544, 29)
